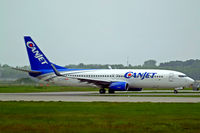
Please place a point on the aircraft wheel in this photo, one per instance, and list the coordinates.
(175, 91)
(111, 91)
(102, 91)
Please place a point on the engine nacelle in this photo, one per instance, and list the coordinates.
(118, 86)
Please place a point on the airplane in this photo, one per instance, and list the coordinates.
(113, 79)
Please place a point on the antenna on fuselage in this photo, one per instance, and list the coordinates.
(109, 67)
(127, 61)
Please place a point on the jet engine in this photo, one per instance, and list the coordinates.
(122, 86)
(118, 86)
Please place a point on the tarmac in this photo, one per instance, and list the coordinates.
(144, 96)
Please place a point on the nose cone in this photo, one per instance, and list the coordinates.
(190, 81)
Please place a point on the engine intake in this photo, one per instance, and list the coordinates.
(118, 86)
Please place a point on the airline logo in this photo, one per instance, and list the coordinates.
(37, 55)
(139, 75)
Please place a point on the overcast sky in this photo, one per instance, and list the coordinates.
(100, 31)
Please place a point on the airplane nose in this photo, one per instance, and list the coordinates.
(190, 81)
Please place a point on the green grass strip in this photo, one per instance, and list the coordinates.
(32, 88)
(27, 89)
(98, 117)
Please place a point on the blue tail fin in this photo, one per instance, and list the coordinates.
(37, 59)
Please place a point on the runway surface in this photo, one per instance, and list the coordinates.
(95, 97)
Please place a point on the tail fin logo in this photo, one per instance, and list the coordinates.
(30, 45)
(37, 55)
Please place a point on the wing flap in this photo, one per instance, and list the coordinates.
(96, 82)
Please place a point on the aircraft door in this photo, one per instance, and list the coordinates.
(171, 77)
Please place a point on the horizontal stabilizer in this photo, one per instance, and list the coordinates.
(29, 71)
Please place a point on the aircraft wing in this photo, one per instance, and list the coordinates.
(96, 82)
(102, 83)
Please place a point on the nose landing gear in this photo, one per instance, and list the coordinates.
(176, 89)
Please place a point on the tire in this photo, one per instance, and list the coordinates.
(111, 91)
(102, 91)
(175, 91)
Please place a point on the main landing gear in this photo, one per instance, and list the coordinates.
(111, 91)
(103, 91)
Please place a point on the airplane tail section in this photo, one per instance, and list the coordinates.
(38, 60)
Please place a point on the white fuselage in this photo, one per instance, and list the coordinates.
(113, 79)
(136, 78)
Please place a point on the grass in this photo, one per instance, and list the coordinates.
(152, 95)
(31, 88)
(98, 117)
(6, 88)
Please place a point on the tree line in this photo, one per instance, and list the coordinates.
(189, 67)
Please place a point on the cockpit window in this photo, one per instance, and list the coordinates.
(182, 76)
